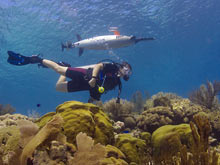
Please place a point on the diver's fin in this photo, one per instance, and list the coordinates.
(78, 37)
(17, 59)
(80, 51)
(143, 39)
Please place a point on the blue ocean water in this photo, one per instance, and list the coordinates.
(184, 55)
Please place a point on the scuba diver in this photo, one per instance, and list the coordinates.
(97, 79)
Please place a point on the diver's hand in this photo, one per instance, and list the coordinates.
(92, 82)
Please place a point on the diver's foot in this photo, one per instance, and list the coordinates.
(61, 63)
(35, 59)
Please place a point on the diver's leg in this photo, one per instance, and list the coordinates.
(61, 84)
(53, 65)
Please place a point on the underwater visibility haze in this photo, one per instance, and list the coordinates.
(184, 54)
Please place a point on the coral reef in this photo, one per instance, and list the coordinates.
(214, 118)
(154, 118)
(118, 126)
(180, 152)
(57, 139)
(33, 114)
(201, 129)
(168, 96)
(10, 120)
(206, 95)
(15, 131)
(121, 112)
(87, 152)
(27, 131)
(146, 136)
(138, 100)
(135, 149)
(80, 117)
(50, 131)
(170, 138)
(9, 140)
(116, 111)
(178, 111)
(113, 156)
(4, 109)
(57, 154)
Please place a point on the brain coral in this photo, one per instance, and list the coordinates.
(81, 117)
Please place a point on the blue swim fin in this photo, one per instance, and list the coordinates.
(17, 59)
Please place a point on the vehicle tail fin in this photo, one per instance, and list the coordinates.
(62, 46)
(143, 39)
(78, 37)
(67, 45)
(80, 51)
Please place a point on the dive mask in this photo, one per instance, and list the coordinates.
(126, 73)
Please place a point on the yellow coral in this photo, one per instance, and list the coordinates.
(170, 138)
(81, 117)
(134, 148)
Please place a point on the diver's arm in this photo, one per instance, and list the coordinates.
(95, 72)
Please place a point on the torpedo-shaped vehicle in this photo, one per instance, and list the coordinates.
(103, 42)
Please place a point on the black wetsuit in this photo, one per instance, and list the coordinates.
(106, 77)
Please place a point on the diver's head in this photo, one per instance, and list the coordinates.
(125, 70)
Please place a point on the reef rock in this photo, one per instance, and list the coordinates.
(82, 117)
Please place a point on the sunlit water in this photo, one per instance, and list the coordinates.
(184, 55)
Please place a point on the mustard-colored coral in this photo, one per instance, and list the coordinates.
(9, 138)
(45, 119)
(113, 156)
(133, 148)
(81, 117)
(170, 138)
